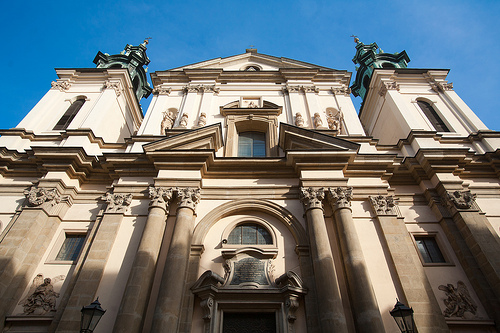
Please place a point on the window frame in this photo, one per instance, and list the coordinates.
(70, 114)
(249, 220)
(51, 259)
(440, 246)
(432, 115)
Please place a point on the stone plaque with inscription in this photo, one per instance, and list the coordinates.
(248, 271)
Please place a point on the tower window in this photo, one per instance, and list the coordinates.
(433, 117)
(429, 249)
(71, 247)
(69, 115)
(250, 234)
(252, 144)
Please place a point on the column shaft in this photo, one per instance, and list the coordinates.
(168, 305)
(331, 311)
(138, 289)
(363, 302)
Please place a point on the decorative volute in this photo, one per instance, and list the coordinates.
(133, 58)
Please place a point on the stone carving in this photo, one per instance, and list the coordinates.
(335, 121)
(461, 199)
(384, 205)
(201, 88)
(37, 196)
(162, 91)
(117, 202)
(184, 121)
(252, 105)
(41, 296)
(441, 86)
(290, 89)
(458, 300)
(307, 89)
(311, 198)
(167, 121)
(390, 85)
(299, 121)
(188, 197)
(61, 85)
(202, 121)
(114, 85)
(339, 197)
(160, 196)
(344, 90)
(317, 120)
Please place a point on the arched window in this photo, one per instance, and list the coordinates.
(433, 117)
(252, 144)
(250, 234)
(69, 115)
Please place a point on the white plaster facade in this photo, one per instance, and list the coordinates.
(391, 150)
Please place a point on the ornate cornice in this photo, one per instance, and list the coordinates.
(160, 197)
(37, 196)
(339, 197)
(117, 202)
(388, 85)
(162, 91)
(461, 199)
(114, 85)
(201, 88)
(189, 197)
(384, 205)
(311, 198)
(61, 85)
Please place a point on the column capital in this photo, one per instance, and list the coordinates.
(188, 197)
(339, 197)
(462, 200)
(312, 198)
(117, 202)
(160, 197)
(38, 196)
(384, 205)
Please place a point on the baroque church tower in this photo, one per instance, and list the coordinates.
(250, 197)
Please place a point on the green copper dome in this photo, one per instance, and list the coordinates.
(369, 57)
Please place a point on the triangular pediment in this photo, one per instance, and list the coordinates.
(208, 137)
(298, 138)
(251, 61)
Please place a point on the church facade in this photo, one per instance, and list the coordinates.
(250, 197)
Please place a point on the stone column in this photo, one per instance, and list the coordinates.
(478, 234)
(93, 268)
(168, 305)
(412, 278)
(136, 296)
(24, 245)
(363, 302)
(331, 311)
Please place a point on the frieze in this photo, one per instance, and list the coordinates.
(339, 197)
(384, 205)
(389, 85)
(305, 89)
(441, 86)
(37, 196)
(41, 297)
(202, 88)
(61, 85)
(160, 197)
(114, 85)
(344, 90)
(461, 199)
(458, 301)
(117, 202)
(162, 91)
(312, 198)
(188, 197)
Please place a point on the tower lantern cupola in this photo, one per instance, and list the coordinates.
(369, 57)
(133, 58)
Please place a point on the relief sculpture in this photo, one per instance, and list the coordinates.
(458, 300)
(41, 296)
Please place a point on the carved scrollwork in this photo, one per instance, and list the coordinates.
(201, 88)
(441, 86)
(309, 89)
(458, 300)
(37, 196)
(160, 197)
(162, 91)
(461, 199)
(339, 197)
(384, 205)
(312, 198)
(389, 85)
(114, 85)
(344, 90)
(117, 202)
(188, 197)
(61, 85)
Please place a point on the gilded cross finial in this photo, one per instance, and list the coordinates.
(146, 40)
(356, 39)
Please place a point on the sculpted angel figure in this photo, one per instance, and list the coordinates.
(299, 121)
(317, 120)
(167, 121)
(184, 121)
(41, 297)
(458, 300)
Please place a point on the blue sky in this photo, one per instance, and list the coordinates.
(40, 36)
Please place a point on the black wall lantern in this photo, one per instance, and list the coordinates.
(91, 314)
(403, 316)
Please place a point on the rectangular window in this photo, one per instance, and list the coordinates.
(429, 249)
(71, 247)
(252, 144)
